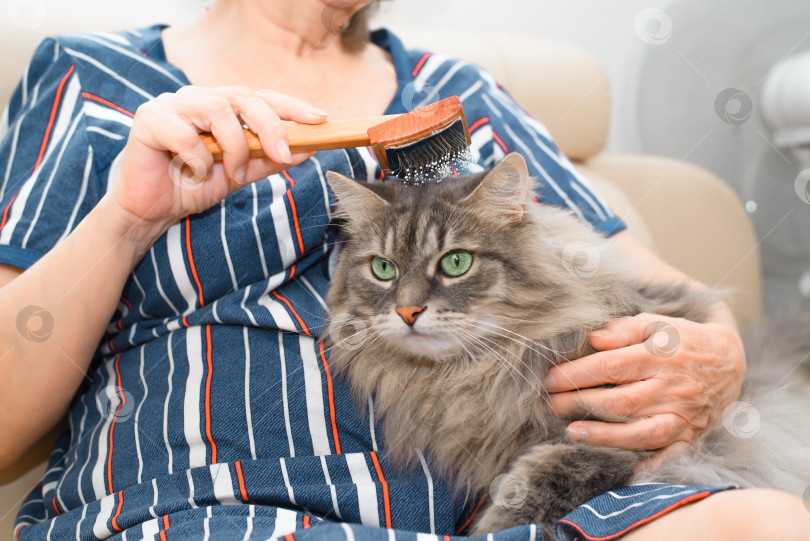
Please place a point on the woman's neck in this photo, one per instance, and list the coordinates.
(293, 28)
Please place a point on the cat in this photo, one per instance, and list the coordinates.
(449, 303)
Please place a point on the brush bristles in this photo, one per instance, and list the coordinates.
(430, 158)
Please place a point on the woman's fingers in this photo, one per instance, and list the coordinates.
(650, 433)
(637, 329)
(290, 108)
(625, 365)
(631, 400)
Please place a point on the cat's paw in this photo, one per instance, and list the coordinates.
(551, 480)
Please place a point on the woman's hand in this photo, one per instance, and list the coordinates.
(674, 378)
(153, 189)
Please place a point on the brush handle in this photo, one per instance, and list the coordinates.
(311, 137)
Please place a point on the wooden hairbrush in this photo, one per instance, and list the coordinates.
(412, 145)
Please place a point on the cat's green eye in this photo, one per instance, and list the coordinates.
(456, 263)
(383, 269)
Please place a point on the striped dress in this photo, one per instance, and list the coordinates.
(209, 410)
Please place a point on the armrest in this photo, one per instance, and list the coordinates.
(696, 222)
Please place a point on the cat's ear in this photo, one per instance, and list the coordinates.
(354, 198)
(504, 189)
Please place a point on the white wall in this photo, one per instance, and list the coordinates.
(606, 28)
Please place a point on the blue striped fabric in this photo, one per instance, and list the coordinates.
(209, 410)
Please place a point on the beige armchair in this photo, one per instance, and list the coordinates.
(685, 214)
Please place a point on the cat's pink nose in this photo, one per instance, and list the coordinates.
(408, 313)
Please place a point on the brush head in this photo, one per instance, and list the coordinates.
(423, 144)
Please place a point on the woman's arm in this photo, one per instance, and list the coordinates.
(673, 396)
(75, 288)
(46, 350)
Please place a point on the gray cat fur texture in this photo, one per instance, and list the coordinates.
(463, 384)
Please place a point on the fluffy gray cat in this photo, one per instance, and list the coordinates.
(449, 303)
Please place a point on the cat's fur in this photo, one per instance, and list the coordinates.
(466, 389)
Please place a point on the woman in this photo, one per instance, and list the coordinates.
(181, 302)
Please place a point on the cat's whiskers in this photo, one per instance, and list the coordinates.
(540, 391)
(539, 344)
(520, 339)
(496, 356)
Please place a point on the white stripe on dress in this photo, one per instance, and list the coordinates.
(371, 424)
(348, 531)
(207, 524)
(281, 224)
(170, 353)
(433, 63)
(285, 522)
(634, 505)
(154, 499)
(256, 233)
(139, 58)
(79, 524)
(112, 399)
(105, 512)
(138, 416)
(93, 110)
(225, 244)
(284, 398)
(332, 490)
(286, 477)
(366, 489)
(322, 179)
(192, 399)
(105, 133)
(223, 484)
(175, 249)
(108, 71)
(157, 283)
(312, 290)
(150, 529)
(190, 480)
(251, 514)
(429, 479)
(248, 416)
(313, 388)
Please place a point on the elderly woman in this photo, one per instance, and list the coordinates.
(179, 306)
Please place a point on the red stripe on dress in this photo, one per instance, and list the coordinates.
(114, 521)
(445, 538)
(56, 100)
(478, 123)
(499, 141)
(331, 398)
(5, 212)
(109, 104)
(292, 273)
(419, 64)
(127, 303)
(165, 527)
(688, 499)
(56, 508)
(191, 260)
(384, 483)
(306, 522)
(241, 478)
(294, 212)
(289, 537)
(208, 394)
(290, 306)
(112, 426)
(477, 507)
